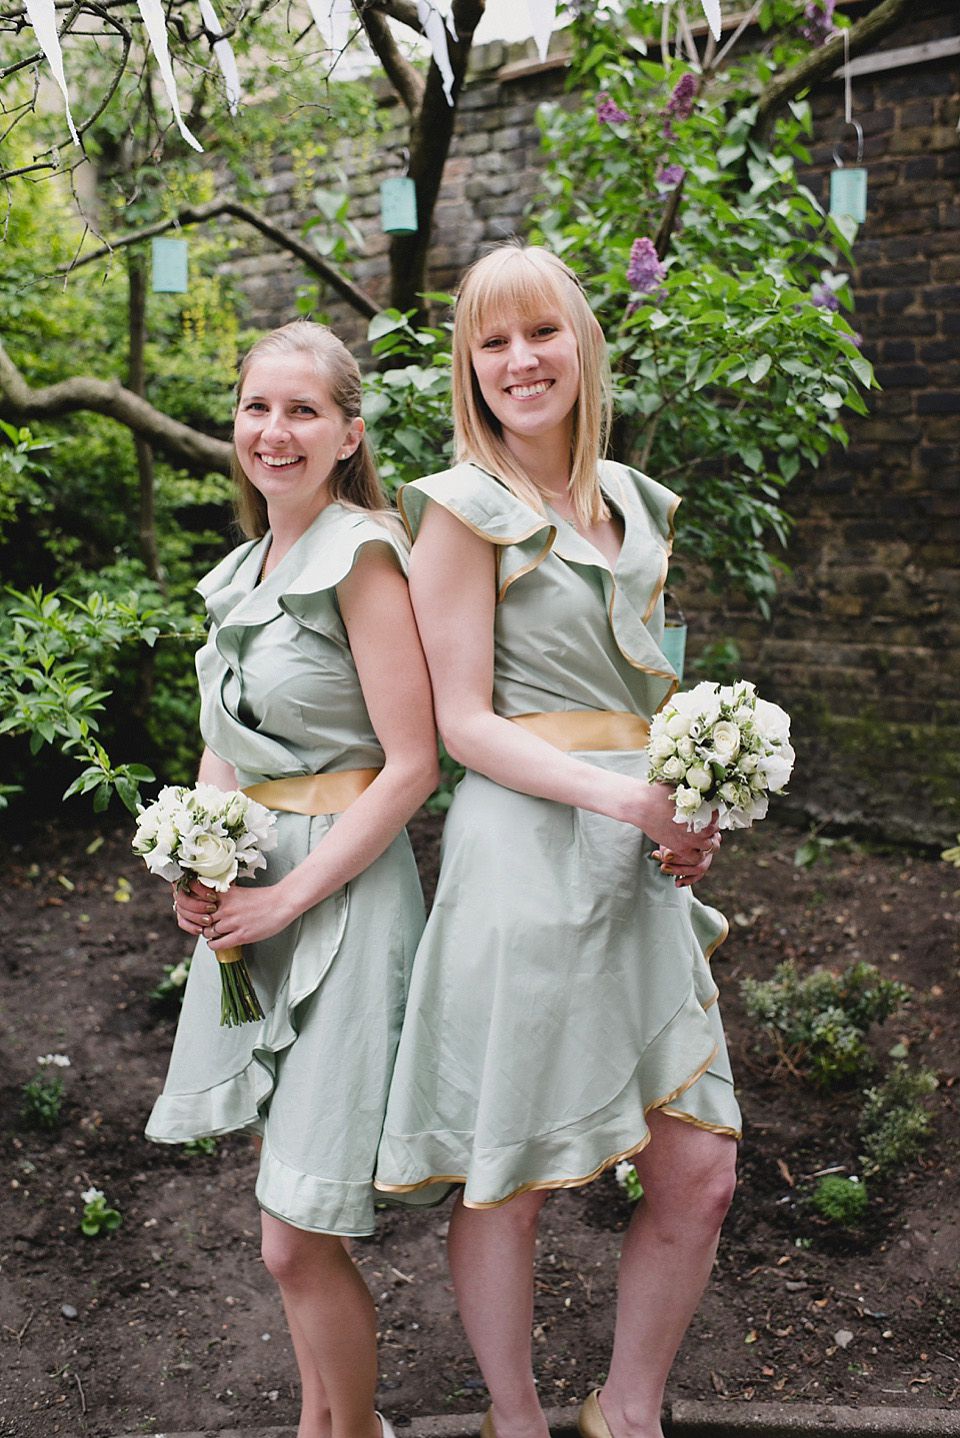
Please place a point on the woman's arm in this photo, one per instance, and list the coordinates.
(375, 604)
(453, 588)
(216, 771)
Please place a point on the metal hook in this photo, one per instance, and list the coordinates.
(850, 124)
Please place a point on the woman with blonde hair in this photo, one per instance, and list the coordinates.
(315, 699)
(562, 1016)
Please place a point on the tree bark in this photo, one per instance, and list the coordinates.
(188, 447)
(136, 379)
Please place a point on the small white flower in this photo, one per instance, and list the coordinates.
(699, 777)
(673, 769)
(622, 1171)
(677, 725)
(686, 747)
(91, 1195)
(59, 1061)
(661, 747)
(686, 800)
(725, 739)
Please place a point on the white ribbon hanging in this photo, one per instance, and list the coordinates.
(434, 28)
(543, 18)
(43, 18)
(224, 56)
(153, 19)
(711, 8)
(333, 19)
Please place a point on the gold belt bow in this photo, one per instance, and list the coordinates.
(313, 793)
(584, 729)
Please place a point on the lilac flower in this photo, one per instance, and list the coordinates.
(680, 104)
(817, 24)
(645, 273)
(823, 298)
(668, 178)
(609, 113)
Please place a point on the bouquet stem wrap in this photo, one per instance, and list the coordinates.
(238, 998)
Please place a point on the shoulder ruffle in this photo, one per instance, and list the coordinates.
(333, 553)
(486, 506)
(660, 503)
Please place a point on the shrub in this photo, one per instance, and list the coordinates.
(894, 1125)
(840, 1200)
(817, 1023)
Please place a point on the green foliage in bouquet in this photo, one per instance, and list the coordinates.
(817, 1023)
(840, 1200)
(894, 1125)
(717, 277)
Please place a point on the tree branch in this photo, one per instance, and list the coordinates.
(397, 68)
(200, 214)
(181, 444)
(821, 63)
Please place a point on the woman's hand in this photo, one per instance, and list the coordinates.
(683, 854)
(239, 916)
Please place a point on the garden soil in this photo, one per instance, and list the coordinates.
(171, 1323)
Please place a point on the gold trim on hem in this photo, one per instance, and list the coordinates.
(587, 729)
(659, 1104)
(313, 794)
(720, 939)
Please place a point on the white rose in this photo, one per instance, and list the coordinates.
(686, 800)
(728, 793)
(212, 858)
(677, 726)
(673, 769)
(748, 763)
(686, 747)
(234, 811)
(661, 747)
(699, 778)
(726, 741)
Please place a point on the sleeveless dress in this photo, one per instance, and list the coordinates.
(280, 697)
(561, 988)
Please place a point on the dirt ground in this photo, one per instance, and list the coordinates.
(171, 1322)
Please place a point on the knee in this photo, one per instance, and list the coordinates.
(699, 1193)
(716, 1189)
(289, 1253)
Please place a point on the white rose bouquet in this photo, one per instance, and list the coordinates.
(725, 750)
(215, 836)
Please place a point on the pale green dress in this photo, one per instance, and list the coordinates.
(562, 987)
(280, 696)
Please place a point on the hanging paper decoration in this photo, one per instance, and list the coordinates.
(433, 26)
(154, 20)
(543, 18)
(333, 19)
(398, 206)
(169, 266)
(224, 56)
(43, 18)
(711, 8)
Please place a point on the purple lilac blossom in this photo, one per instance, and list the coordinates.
(645, 273)
(680, 104)
(817, 24)
(609, 113)
(823, 298)
(668, 178)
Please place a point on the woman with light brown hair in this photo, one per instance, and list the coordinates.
(314, 698)
(562, 1016)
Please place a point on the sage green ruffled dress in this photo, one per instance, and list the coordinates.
(280, 697)
(562, 987)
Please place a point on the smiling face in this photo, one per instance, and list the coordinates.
(289, 434)
(527, 368)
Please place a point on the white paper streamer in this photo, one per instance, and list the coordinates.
(434, 27)
(333, 19)
(224, 56)
(153, 18)
(711, 8)
(543, 17)
(43, 18)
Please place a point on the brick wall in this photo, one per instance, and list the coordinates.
(864, 643)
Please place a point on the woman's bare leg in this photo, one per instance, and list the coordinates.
(688, 1176)
(491, 1261)
(333, 1327)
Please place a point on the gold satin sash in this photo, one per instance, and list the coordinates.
(313, 793)
(573, 729)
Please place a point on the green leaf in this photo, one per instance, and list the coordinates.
(759, 368)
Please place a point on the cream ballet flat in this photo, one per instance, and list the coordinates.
(386, 1427)
(590, 1421)
(487, 1429)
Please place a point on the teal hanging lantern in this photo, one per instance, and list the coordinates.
(848, 187)
(398, 206)
(169, 266)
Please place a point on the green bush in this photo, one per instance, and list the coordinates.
(840, 1200)
(894, 1125)
(818, 1022)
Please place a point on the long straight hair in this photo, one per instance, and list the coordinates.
(529, 281)
(354, 481)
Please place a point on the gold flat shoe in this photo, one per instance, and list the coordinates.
(591, 1422)
(487, 1429)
